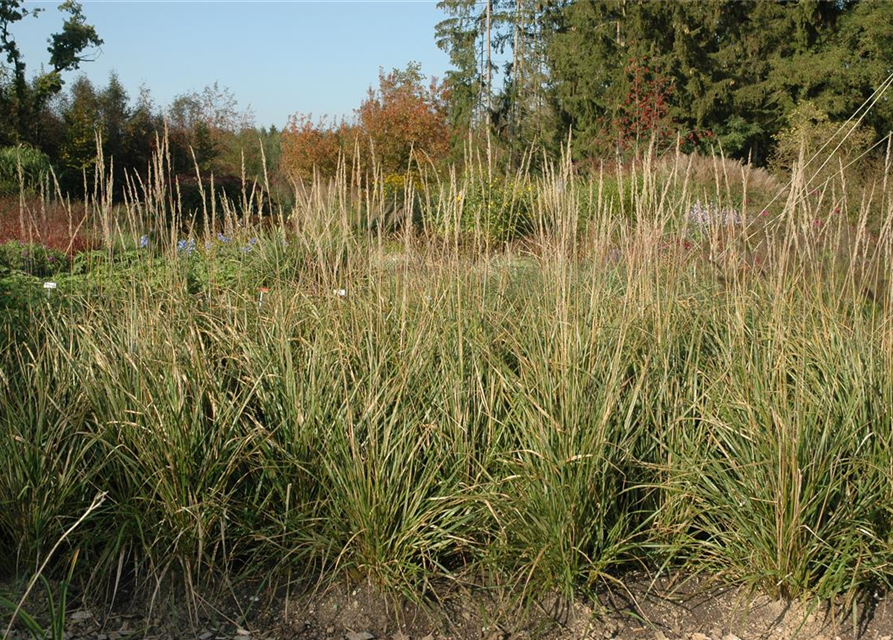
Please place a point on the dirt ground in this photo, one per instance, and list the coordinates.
(640, 612)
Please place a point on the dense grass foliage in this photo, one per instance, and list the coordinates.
(320, 394)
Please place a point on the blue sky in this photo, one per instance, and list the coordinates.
(278, 57)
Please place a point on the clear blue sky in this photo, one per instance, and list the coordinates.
(278, 57)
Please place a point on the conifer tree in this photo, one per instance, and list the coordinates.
(730, 71)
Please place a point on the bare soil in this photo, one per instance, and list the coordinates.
(641, 611)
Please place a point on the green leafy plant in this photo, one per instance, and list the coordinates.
(22, 168)
(500, 209)
(57, 609)
(32, 259)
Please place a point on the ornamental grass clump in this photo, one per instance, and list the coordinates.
(419, 407)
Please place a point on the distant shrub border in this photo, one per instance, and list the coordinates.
(35, 166)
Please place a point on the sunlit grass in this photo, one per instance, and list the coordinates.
(332, 392)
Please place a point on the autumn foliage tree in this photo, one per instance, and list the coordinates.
(645, 112)
(309, 146)
(404, 115)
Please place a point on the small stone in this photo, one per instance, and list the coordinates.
(730, 636)
(330, 630)
(242, 632)
(80, 615)
(660, 635)
(360, 635)
(207, 635)
(399, 636)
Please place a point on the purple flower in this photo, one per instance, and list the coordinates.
(186, 246)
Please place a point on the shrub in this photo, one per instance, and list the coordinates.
(404, 117)
(401, 120)
(35, 165)
(309, 146)
(809, 128)
(32, 259)
(193, 206)
(49, 224)
(501, 209)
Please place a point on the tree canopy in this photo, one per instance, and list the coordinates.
(730, 71)
(21, 100)
(613, 72)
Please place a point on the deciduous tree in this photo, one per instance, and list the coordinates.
(22, 100)
(404, 115)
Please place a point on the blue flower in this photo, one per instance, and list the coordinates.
(187, 246)
(222, 238)
(144, 242)
(248, 247)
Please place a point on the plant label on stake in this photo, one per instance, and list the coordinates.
(49, 286)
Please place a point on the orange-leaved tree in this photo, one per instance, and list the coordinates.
(403, 116)
(309, 146)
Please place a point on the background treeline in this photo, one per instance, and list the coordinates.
(615, 72)
(205, 130)
(757, 79)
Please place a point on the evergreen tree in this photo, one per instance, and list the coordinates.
(459, 36)
(204, 148)
(512, 99)
(114, 109)
(727, 71)
(140, 130)
(525, 115)
(81, 115)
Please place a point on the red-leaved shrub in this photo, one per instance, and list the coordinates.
(49, 224)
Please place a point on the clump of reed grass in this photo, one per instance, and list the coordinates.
(617, 390)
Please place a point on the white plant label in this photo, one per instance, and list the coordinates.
(49, 285)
